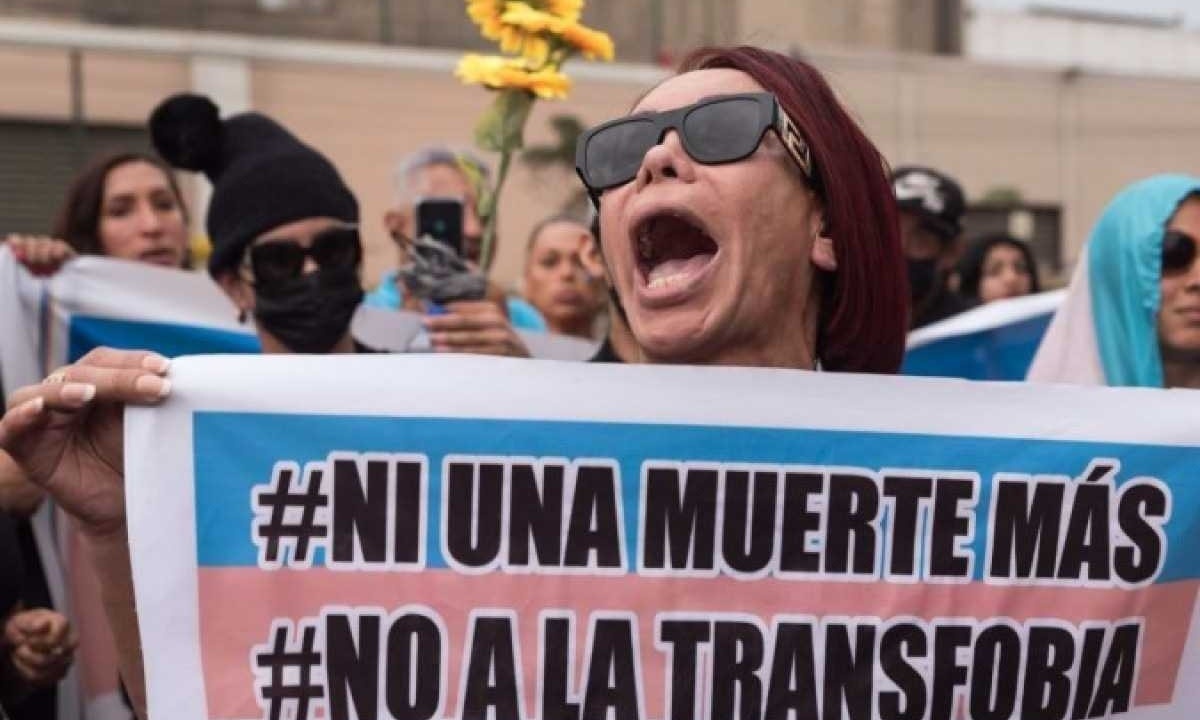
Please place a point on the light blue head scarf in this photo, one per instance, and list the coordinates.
(1124, 269)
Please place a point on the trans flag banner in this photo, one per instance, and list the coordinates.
(94, 301)
(435, 538)
(996, 341)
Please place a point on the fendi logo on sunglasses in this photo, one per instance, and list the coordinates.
(795, 144)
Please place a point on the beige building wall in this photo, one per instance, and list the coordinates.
(879, 25)
(1056, 138)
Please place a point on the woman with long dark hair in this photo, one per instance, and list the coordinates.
(997, 267)
(122, 205)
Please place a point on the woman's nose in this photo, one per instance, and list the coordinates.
(666, 161)
(149, 221)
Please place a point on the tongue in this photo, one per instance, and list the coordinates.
(671, 272)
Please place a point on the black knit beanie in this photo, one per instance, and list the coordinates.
(262, 176)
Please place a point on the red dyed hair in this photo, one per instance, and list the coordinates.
(864, 309)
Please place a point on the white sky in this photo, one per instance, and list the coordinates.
(1190, 8)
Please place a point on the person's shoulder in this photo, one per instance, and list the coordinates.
(524, 316)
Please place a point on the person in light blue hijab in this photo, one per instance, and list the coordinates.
(1137, 294)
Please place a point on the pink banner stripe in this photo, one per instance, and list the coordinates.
(237, 606)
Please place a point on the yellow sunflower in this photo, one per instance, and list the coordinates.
(501, 73)
(568, 10)
(536, 49)
(486, 14)
(512, 37)
(592, 43)
(479, 69)
(524, 16)
(547, 83)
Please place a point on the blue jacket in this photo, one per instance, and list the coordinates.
(521, 314)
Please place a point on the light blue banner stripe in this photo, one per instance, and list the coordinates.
(234, 452)
(170, 339)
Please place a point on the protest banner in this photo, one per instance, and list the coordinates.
(996, 341)
(427, 538)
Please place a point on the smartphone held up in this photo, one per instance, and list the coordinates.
(441, 218)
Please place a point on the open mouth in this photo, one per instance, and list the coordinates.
(568, 297)
(161, 256)
(1191, 315)
(672, 249)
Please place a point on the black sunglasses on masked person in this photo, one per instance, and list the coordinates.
(717, 130)
(282, 259)
(1178, 251)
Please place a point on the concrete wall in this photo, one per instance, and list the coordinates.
(879, 25)
(1058, 138)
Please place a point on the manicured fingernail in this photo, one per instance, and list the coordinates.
(153, 385)
(78, 392)
(156, 363)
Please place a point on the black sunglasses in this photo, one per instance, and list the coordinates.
(1178, 251)
(283, 259)
(721, 129)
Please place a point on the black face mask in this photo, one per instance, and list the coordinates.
(922, 278)
(311, 313)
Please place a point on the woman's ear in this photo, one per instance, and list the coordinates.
(823, 254)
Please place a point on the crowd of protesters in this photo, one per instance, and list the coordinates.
(765, 231)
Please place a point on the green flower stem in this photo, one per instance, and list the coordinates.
(489, 230)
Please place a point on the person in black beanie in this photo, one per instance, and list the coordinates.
(283, 224)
